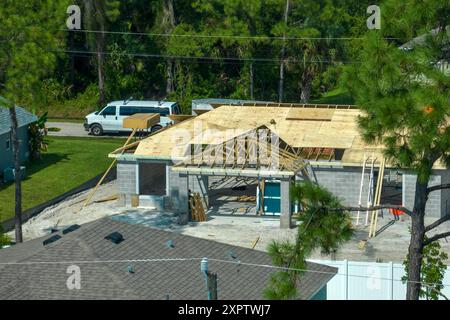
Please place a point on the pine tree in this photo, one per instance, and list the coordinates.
(320, 229)
(405, 99)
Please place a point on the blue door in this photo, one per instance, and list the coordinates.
(272, 198)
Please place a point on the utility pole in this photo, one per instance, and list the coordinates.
(17, 174)
(283, 53)
(210, 279)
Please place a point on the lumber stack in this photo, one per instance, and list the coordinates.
(246, 198)
(196, 207)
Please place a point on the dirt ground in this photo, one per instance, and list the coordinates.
(390, 244)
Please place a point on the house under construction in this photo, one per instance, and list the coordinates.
(251, 153)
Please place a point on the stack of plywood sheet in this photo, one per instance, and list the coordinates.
(141, 121)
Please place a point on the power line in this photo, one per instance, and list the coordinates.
(217, 36)
(147, 55)
(323, 272)
(239, 263)
(97, 261)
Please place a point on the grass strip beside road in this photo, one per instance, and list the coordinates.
(68, 163)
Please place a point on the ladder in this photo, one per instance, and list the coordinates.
(368, 164)
(374, 217)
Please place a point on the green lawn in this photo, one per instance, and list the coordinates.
(337, 96)
(68, 163)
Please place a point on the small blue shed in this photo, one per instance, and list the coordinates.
(24, 118)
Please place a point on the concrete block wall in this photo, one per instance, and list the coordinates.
(344, 183)
(445, 194)
(438, 201)
(126, 179)
(178, 192)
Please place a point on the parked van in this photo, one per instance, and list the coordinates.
(110, 118)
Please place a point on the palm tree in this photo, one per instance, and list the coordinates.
(97, 14)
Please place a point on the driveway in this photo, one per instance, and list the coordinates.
(70, 129)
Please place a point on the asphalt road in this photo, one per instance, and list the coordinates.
(69, 129)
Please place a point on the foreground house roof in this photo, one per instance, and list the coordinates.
(24, 117)
(35, 278)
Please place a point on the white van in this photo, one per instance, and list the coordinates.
(110, 118)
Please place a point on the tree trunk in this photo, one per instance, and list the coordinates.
(169, 23)
(305, 93)
(282, 56)
(72, 61)
(17, 175)
(101, 75)
(169, 82)
(251, 82)
(417, 241)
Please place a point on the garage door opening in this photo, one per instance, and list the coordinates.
(232, 196)
(152, 179)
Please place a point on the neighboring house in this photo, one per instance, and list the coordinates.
(200, 106)
(32, 270)
(24, 118)
(443, 65)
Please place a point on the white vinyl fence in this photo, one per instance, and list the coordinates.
(370, 281)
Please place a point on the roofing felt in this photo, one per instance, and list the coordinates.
(23, 117)
(35, 278)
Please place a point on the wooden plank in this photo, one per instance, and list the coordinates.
(141, 120)
(193, 209)
(310, 114)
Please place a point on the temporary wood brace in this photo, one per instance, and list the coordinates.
(91, 194)
(374, 218)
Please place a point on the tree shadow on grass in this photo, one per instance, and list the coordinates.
(48, 159)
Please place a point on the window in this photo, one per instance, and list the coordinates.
(109, 111)
(130, 110)
(8, 144)
(164, 111)
(176, 109)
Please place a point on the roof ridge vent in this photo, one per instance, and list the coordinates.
(71, 228)
(51, 239)
(115, 237)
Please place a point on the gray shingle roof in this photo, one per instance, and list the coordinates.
(23, 117)
(150, 280)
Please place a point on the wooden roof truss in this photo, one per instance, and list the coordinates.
(258, 149)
